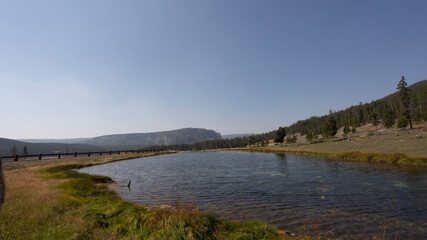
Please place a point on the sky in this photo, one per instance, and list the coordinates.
(72, 69)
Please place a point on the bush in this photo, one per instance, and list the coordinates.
(388, 120)
(402, 122)
(291, 139)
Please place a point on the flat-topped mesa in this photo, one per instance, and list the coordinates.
(179, 136)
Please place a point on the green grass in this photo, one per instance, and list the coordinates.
(396, 158)
(47, 199)
(108, 216)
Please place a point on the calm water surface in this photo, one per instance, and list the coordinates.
(297, 193)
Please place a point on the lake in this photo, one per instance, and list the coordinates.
(301, 194)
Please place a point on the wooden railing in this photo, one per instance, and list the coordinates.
(40, 156)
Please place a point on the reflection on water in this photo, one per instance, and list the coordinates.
(297, 193)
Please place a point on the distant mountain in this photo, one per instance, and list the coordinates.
(36, 148)
(231, 136)
(109, 142)
(180, 136)
(70, 140)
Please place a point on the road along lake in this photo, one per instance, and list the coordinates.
(302, 194)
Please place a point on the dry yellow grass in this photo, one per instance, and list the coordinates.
(29, 210)
(28, 198)
(373, 139)
(47, 201)
(44, 163)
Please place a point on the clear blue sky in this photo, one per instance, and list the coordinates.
(88, 68)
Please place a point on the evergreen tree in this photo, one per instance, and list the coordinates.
(388, 120)
(353, 129)
(309, 136)
(329, 129)
(402, 122)
(252, 140)
(280, 135)
(374, 119)
(404, 100)
(346, 129)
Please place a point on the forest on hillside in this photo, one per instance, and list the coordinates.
(354, 116)
(369, 112)
(220, 143)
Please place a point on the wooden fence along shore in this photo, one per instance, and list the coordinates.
(40, 156)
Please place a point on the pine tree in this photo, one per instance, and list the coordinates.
(404, 100)
(388, 120)
(329, 129)
(402, 122)
(309, 136)
(252, 140)
(374, 119)
(280, 135)
(346, 129)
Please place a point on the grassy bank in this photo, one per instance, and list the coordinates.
(48, 200)
(396, 158)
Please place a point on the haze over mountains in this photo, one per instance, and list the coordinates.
(67, 140)
(110, 142)
(180, 136)
(36, 148)
(355, 115)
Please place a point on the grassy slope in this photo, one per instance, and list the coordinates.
(47, 200)
(384, 145)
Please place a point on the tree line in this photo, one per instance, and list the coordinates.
(219, 143)
(407, 105)
(408, 102)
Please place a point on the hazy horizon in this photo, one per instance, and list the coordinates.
(21, 139)
(83, 69)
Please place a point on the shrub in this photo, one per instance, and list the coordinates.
(402, 122)
(291, 139)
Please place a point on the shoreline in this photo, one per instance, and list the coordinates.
(370, 157)
(81, 205)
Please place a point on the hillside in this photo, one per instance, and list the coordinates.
(367, 138)
(69, 140)
(36, 148)
(361, 114)
(356, 116)
(231, 136)
(180, 136)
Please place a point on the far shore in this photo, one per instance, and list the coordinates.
(369, 143)
(44, 193)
